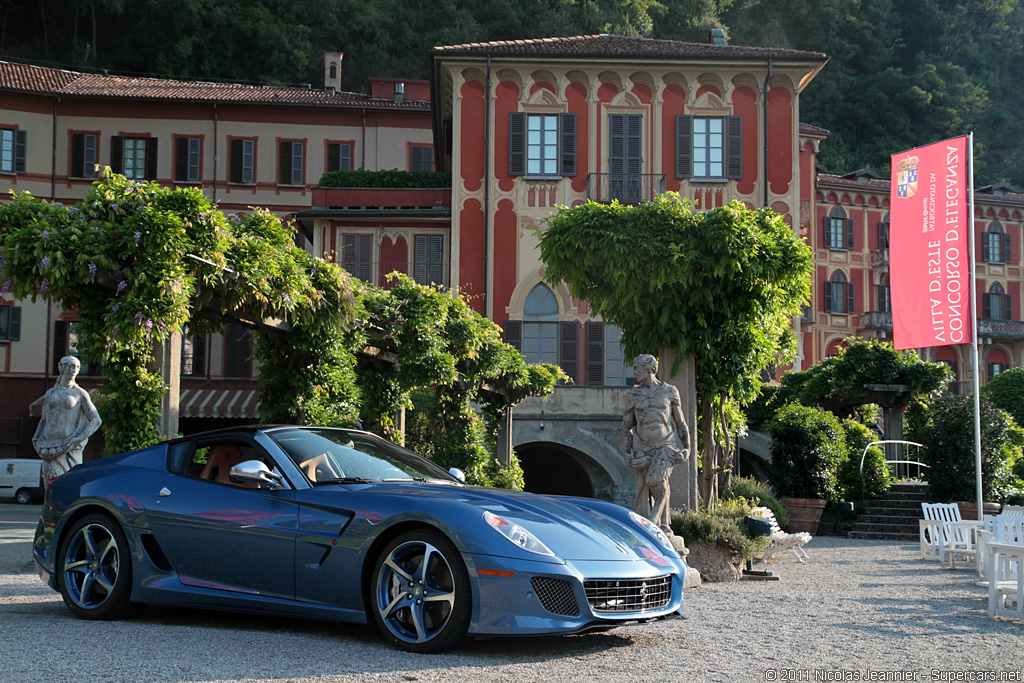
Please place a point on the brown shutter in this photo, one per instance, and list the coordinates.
(513, 334)
(850, 303)
(285, 162)
(237, 151)
(569, 348)
(826, 232)
(151, 145)
(567, 151)
(334, 156)
(1007, 258)
(78, 156)
(594, 333)
(117, 154)
(734, 147)
(684, 146)
(517, 143)
(827, 287)
(181, 159)
(20, 139)
(849, 233)
(1008, 307)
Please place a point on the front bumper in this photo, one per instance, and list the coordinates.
(522, 597)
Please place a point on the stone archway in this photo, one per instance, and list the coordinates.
(551, 468)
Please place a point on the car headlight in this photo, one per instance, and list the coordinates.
(517, 534)
(652, 528)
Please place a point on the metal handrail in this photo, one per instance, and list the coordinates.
(890, 462)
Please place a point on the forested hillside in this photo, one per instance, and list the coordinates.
(902, 72)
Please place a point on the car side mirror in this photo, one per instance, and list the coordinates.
(256, 472)
(458, 474)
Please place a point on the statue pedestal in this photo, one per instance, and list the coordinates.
(692, 578)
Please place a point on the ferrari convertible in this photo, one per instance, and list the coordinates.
(338, 524)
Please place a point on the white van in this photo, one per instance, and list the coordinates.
(21, 479)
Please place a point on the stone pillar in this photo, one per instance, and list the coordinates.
(168, 362)
(683, 483)
(504, 441)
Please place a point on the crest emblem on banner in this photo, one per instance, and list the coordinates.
(906, 178)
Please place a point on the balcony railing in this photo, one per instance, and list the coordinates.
(628, 188)
(879, 258)
(876, 320)
(1000, 329)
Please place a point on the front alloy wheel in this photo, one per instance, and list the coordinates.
(94, 569)
(420, 593)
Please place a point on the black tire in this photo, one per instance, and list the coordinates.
(23, 496)
(419, 594)
(94, 569)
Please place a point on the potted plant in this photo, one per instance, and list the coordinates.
(949, 452)
(807, 448)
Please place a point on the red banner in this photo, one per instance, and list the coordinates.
(929, 263)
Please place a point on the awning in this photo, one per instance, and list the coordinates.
(219, 403)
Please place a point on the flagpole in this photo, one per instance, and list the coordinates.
(974, 323)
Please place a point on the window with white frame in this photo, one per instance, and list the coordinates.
(709, 147)
(83, 155)
(133, 157)
(838, 230)
(542, 145)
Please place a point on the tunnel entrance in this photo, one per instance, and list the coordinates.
(554, 469)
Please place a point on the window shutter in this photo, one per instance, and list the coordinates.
(568, 352)
(828, 295)
(298, 163)
(237, 149)
(616, 144)
(850, 303)
(357, 255)
(420, 260)
(436, 270)
(60, 342)
(986, 252)
(594, 353)
(826, 232)
(684, 146)
(344, 158)
(883, 235)
(181, 159)
(285, 162)
(849, 233)
(334, 156)
(567, 151)
(634, 149)
(734, 147)
(117, 154)
(151, 144)
(78, 156)
(1008, 307)
(513, 334)
(20, 140)
(415, 158)
(1007, 258)
(199, 355)
(516, 143)
(366, 258)
(986, 306)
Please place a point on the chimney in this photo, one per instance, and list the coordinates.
(332, 72)
(399, 92)
(716, 36)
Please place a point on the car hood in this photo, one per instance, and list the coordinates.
(570, 527)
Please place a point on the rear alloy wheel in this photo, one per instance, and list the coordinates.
(23, 496)
(420, 593)
(94, 569)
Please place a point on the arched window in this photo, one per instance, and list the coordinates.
(995, 362)
(540, 326)
(834, 347)
(947, 355)
(883, 233)
(334, 71)
(996, 305)
(838, 294)
(995, 244)
(838, 230)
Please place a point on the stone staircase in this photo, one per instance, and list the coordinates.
(893, 518)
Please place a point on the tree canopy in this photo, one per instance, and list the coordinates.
(900, 74)
(722, 285)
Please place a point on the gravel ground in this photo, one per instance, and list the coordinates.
(857, 610)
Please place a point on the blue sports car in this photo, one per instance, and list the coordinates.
(343, 525)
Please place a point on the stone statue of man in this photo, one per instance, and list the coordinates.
(69, 419)
(654, 438)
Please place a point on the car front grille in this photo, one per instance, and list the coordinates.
(628, 595)
(556, 596)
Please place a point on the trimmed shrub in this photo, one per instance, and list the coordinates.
(807, 447)
(877, 478)
(759, 494)
(392, 178)
(949, 448)
(1006, 391)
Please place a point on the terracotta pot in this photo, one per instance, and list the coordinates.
(804, 513)
(969, 509)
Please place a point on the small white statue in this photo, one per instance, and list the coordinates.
(69, 419)
(654, 438)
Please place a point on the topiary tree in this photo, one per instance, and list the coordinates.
(808, 446)
(949, 450)
(876, 478)
(1006, 391)
(722, 286)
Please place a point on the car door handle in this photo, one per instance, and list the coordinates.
(165, 491)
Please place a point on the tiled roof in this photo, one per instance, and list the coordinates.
(808, 129)
(608, 45)
(882, 185)
(45, 81)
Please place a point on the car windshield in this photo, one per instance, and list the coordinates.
(331, 456)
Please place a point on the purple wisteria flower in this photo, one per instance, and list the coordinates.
(46, 235)
(44, 287)
(149, 324)
(92, 268)
(45, 262)
(115, 308)
(7, 286)
(114, 207)
(121, 285)
(94, 228)
(138, 236)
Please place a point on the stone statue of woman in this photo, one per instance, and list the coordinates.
(654, 438)
(69, 419)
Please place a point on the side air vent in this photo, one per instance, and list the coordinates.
(556, 596)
